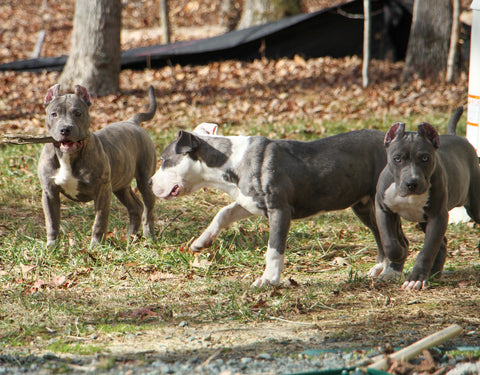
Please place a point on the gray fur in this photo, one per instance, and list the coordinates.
(96, 163)
(283, 179)
(442, 168)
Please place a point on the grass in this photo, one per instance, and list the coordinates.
(49, 296)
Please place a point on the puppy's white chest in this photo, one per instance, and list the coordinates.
(64, 177)
(410, 207)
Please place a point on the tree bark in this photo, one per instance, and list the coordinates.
(256, 12)
(366, 42)
(429, 40)
(164, 21)
(94, 59)
(453, 50)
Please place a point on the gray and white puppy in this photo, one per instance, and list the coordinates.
(86, 166)
(279, 179)
(426, 176)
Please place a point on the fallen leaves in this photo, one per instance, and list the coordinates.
(32, 281)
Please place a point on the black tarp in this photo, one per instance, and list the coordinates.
(335, 32)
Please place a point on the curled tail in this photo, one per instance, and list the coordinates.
(452, 123)
(146, 116)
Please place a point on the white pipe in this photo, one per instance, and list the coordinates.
(473, 110)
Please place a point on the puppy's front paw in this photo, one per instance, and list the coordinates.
(390, 274)
(201, 243)
(376, 270)
(263, 282)
(52, 244)
(417, 280)
(415, 285)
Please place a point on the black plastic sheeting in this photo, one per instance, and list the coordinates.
(335, 32)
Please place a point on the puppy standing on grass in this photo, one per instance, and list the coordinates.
(426, 176)
(280, 179)
(86, 166)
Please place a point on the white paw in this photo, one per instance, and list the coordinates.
(273, 269)
(51, 244)
(262, 282)
(390, 274)
(201, 243)
(376, 270)
(415, 285)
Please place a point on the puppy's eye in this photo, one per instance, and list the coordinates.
(397, 159)
(77, 113)
(53, 114)
(425, 158)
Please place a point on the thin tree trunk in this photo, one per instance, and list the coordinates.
(366, 42)
(452, 53)
(164, 21)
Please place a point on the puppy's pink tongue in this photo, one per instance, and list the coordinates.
(70, 146)
(175, 191)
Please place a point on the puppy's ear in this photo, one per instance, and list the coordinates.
(206, 128)
(83, 94)
(52, 93)
(397, 130)
(428, 132)
(186, 143)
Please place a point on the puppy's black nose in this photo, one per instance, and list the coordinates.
(412, 185)
(65, 131)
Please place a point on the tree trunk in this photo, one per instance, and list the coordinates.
(453, 50)
(429, 40)
(256, 12)
(94, 59)
(366, 42)
(164, 21)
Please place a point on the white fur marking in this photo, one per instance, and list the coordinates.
(64, 177)
(409, 207)
(273, 269)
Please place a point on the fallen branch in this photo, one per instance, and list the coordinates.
(417, 347)
(23, 139)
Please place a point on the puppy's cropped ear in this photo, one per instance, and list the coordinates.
(206, 128)
(83, 94)
(52, 93)
(428, 132)
(397, 130)
(186, 143)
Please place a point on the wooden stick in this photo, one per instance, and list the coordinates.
(416, 348)
(22, 139)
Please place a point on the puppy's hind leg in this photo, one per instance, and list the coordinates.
(473, 206)
(134, 207)
(365, 211)
(148, 198)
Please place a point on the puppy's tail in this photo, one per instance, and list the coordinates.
(452, 124)
(146, 116)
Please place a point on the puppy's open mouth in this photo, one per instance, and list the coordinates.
(174, 192)
(69, 146)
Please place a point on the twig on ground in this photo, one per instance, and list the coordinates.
(170, 223)
(291, 321)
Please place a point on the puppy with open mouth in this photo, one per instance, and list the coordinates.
(279, 179)
(86, 166)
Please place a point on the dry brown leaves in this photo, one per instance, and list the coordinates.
(283, 91)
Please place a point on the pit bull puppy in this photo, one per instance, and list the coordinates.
(279, 179)
(426, 176)
(86, 166)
